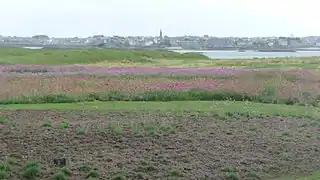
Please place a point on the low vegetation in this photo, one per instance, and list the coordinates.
(71, 57)
(275, 87)
(157, 122)
(224, 108)
(160, 96)
(273, 63)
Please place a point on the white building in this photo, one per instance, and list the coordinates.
(148, 43)
(283, 42)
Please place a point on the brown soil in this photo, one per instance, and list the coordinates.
(200, 148)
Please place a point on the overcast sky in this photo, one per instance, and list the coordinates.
(61, 18)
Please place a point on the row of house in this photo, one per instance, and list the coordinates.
(186, 42)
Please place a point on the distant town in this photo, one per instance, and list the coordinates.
(163, 42)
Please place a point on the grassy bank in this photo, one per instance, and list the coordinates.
(229, 108)
(71, 57)
(192, 95)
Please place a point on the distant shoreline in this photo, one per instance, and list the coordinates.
(82, 47)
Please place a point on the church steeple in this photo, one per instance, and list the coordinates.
(161, 35)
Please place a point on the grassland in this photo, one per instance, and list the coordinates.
(157, 122)
(72, 57)
(220, 108)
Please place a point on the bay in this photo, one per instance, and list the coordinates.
(252, 54)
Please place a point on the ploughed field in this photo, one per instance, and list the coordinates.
(189, 123)
(157, 145)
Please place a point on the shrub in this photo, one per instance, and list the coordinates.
(93, 174)
(59, 176)
(4, 175)
(66, 171)
(31, 170)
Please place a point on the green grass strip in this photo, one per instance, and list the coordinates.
(240, 108)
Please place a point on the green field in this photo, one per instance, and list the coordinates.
(223, 108)
(84, 57)
(261, 125)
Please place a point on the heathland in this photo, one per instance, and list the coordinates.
(157, 115)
